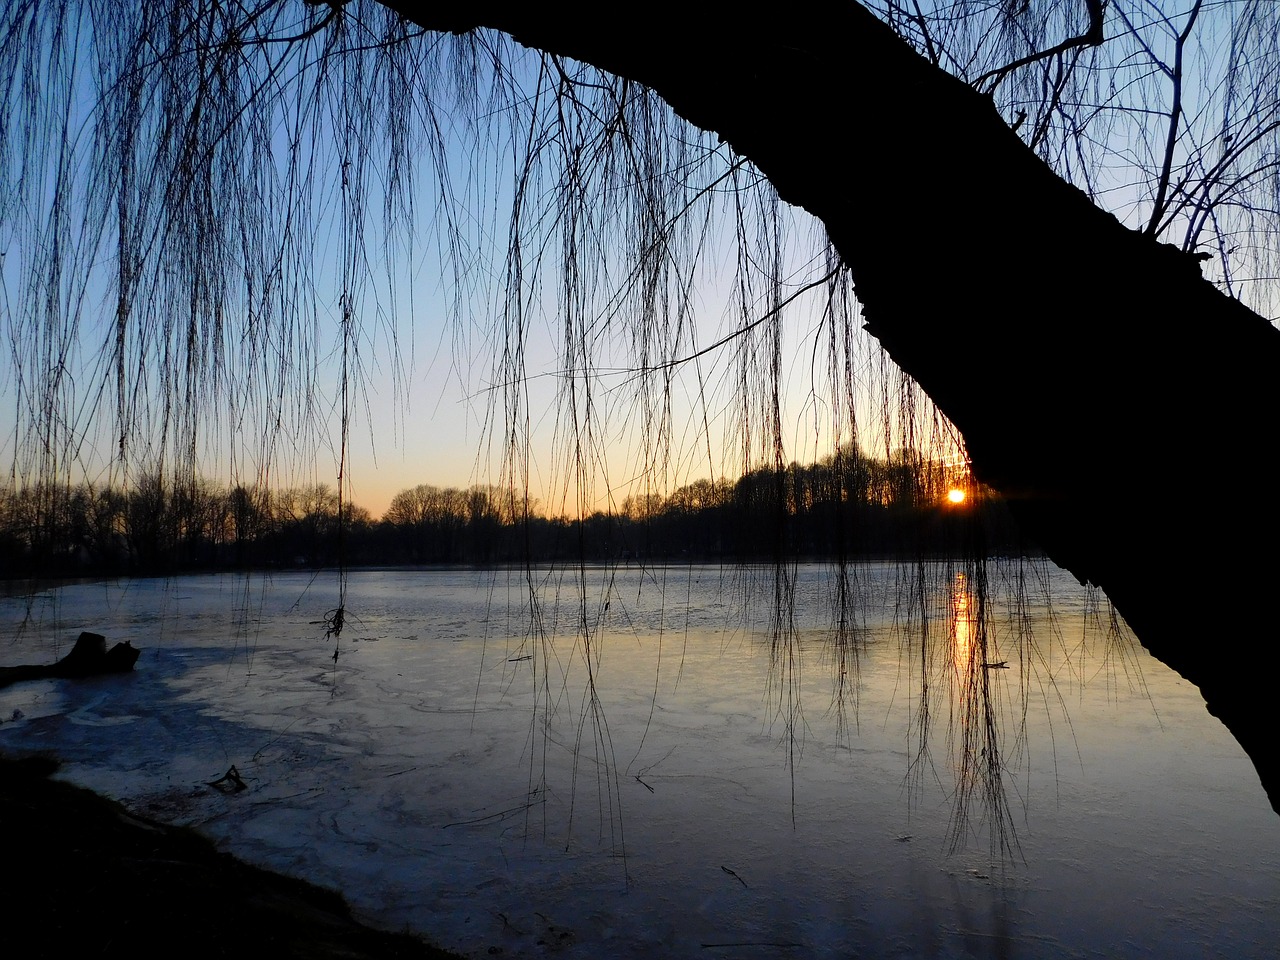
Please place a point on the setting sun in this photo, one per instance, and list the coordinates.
(955, 495)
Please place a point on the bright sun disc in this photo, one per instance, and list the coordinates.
(955, 495)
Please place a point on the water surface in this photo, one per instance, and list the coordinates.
(652, 764)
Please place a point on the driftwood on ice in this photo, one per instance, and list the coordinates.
(88, 658)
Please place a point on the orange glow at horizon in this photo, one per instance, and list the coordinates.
(955, 495)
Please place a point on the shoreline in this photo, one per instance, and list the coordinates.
(87, 874)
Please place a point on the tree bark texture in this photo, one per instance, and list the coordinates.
(1119, 401)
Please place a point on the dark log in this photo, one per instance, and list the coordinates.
(88, 658)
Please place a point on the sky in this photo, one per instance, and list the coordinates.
(437, 383)
(432, 392)
(443, 422)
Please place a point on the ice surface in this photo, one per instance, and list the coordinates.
(668, 781)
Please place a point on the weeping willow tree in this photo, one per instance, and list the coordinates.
(1057, 218)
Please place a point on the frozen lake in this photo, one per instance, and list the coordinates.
(648, 768)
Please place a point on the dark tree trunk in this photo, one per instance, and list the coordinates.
(1117, 399)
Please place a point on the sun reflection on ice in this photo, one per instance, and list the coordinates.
(963, 624)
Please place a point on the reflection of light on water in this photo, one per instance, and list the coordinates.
(963, 624)
(977, 732)
(436, 730)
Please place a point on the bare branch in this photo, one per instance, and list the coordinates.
(1175, 117)
(1092, 37)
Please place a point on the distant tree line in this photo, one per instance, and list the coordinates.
(162, 526)
(847, 506)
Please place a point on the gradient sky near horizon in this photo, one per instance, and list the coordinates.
(425, 401)
(439, 419)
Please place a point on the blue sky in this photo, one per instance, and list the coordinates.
(430, 398)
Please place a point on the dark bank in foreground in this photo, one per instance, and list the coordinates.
(86, 877)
